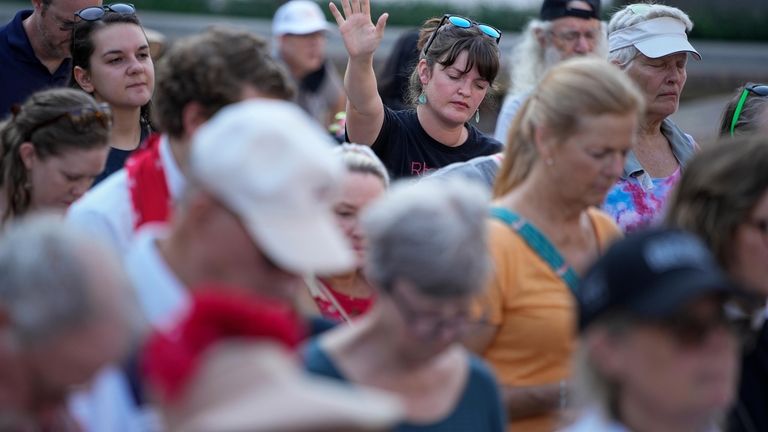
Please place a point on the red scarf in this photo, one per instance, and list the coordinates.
(147, 185)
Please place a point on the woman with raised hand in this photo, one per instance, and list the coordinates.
(458, 63)
(566, 149)
(112, 62)
(51, 149)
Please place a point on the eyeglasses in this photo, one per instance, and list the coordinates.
(760, 224)
(464, 23)
(428, 323)
(757, 89)
(79, 117)
(95, 13)
(691, 331)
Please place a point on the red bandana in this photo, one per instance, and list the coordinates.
(170, 359)
(147, 185)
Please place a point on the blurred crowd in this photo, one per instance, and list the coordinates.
(226, 233)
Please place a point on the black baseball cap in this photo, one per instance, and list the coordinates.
(554, 9)
(650, 274)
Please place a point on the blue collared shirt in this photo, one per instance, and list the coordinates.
(22, 73)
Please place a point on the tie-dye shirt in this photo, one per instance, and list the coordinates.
(637, 200)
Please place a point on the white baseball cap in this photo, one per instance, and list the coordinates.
(298, 17)
(654, 38)
(272, 165)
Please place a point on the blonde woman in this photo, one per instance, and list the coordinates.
(564, 151)
(340, 298)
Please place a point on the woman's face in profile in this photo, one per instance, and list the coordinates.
(750, 256)
(358, 191)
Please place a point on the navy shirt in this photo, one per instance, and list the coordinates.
(479, 408)
(21, 73)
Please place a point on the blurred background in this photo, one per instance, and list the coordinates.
(732, 37)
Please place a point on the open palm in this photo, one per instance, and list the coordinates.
(361, 36)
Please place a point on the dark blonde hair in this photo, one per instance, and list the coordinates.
(42, 120)
(449, 42)
(569, 91)
(754, 107)
(719, 189)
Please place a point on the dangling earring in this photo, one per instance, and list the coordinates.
(422, 99)
(477, 116)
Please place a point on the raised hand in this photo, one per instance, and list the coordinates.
(361, 37)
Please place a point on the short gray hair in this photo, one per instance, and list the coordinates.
(45, 278)
(361, 159)
(430, 234)
(636, 13)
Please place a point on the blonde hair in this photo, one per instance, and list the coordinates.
(361, 159)
(570, 91)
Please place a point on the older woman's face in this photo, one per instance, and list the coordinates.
(590, 160)
(431, 323)
(661, 80)
(688, 367)
(750, 263)
(358, 190)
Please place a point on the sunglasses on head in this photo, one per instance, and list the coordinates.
(465, 23)
(79, 117)
(95, 13)
(756, 89)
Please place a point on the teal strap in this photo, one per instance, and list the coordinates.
(539, 243)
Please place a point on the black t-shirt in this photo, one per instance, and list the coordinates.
(407, 150)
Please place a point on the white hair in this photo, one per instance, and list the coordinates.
(530, 60)
(634, 14)
(361, 159)
(430, 234)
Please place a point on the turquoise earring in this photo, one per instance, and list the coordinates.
(477, 116)
(422, 99)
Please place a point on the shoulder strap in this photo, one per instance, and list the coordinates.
(539, 243)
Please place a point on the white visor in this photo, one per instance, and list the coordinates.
(654, 38)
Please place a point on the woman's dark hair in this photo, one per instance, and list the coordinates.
(718, 191)
(753, 109)
(449, 42)
(396, 74)
(82, 46)
(44, 122)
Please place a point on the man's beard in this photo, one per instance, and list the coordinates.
(552, 56)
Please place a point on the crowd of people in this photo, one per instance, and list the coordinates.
(186, 246)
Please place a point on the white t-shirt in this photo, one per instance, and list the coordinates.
(107, 210)
(109, 404)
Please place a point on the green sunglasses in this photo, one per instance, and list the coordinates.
(757, 89)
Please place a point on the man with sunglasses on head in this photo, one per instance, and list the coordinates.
(564, 29)
(34, 49)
